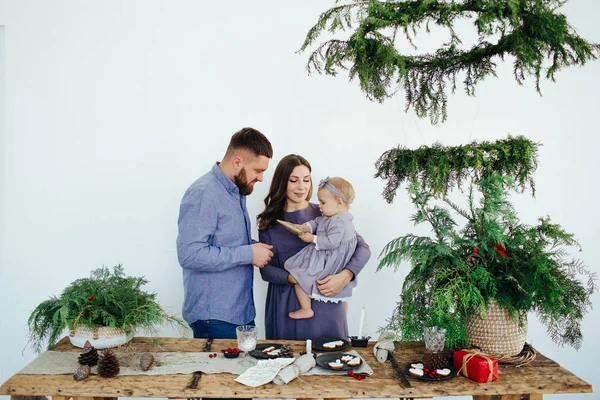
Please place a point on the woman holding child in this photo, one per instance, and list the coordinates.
(288, 200)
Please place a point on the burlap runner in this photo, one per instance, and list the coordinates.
(58, 363)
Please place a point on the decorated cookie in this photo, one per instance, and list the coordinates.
(416, 371)
(417, 366)
(355, 362)
(443, 372)
(337, 364)
(268, 349)
(329, 345)
(347, 358)
(274, 353)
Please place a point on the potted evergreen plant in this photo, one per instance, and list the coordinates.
(490, 258)
(106, 308)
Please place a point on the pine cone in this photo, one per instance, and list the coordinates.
(82, 372)
(146, 361)
(89, 355)
(437, 360)
(108, 365)
(472, 260)
(286, 351)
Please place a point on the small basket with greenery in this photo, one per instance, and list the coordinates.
(491, 255)
(105, 299)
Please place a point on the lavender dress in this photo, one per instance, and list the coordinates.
(336, 243)
(330, 318)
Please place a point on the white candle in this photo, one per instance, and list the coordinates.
(361, 325)
(308, 346)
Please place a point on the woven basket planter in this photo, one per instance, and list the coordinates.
(497, 333)
(100, 337)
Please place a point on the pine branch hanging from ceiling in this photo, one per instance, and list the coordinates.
(532, 32)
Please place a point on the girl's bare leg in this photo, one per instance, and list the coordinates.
(305, 310)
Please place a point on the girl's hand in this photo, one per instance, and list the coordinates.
(334, 284)
(306, 237)
(303, 227)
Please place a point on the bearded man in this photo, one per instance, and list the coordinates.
(214, 246)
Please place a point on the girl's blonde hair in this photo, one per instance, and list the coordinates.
(344, 187)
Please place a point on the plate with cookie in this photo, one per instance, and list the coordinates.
(329, 344)
(266, 351)
(338, 361)
(418, 371)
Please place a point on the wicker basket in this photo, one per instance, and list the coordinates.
(496, 333)
(100, 337)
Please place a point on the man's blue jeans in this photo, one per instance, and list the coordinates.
(215, 329)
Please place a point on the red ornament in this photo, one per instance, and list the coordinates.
(502, 251)
(91, 297)
(475, 250)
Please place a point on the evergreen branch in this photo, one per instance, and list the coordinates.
(531, 31)
(439, 168)
(522, 267)
(103, 299)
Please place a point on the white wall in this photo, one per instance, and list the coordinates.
(114, 108)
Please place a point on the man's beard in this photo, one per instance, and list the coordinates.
(241, 181)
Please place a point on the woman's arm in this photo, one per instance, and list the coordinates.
(270, 273)
(333, 284)
(359, 259)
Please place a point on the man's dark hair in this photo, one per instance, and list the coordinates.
(252, 140)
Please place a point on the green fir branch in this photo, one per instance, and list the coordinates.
(106, 298)
(531, 32)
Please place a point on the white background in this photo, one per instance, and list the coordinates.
(109, 110)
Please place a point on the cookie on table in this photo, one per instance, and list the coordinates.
(355, 362)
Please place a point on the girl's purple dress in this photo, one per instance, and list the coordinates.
(330, 318)
(336, 242)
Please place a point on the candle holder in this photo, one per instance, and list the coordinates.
(246, 338)
(355, 341)
(435, 339)
(435, 357)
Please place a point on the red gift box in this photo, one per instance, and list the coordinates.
(476, 365)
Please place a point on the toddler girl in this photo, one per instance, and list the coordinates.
(332, 245)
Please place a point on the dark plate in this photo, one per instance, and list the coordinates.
(324, 359)
(427, 378)
(257, 353)
(317, 344)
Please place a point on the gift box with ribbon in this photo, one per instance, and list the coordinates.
(476, 365)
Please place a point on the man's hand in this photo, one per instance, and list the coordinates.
(306, 237)
(262, 254)
(333, 284)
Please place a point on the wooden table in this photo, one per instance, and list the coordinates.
(540, 377)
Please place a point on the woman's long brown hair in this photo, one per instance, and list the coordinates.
(275, 200)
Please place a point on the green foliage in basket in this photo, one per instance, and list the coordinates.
(106, 298)
(487, 254)
(533, 33)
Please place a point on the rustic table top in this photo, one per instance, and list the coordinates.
(542, 376)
